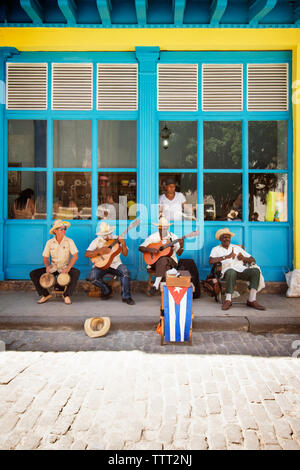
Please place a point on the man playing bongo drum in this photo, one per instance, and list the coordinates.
(63, 254)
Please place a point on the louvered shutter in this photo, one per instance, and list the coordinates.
(26, 86)
(72, 86)
(117, 87)
(177, 86)
(267, 87)
(222, 87)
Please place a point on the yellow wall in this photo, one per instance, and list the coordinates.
(174, 39)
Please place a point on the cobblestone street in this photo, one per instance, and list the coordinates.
(230, 390)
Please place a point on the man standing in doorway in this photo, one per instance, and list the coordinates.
(171, 203)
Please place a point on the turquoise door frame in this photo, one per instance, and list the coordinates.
(16, 264)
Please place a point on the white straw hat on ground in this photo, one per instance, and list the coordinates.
(97, 326)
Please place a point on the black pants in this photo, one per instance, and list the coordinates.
(189, 265)
(36, 274)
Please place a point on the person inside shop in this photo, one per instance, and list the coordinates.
(109, 209)
(236, 212)
(171, 204)
(107, 260)
(59, 256)
(163, 263)
(236, 264)
(24, 206)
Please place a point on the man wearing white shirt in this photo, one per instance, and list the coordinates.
(234, 266)
(172, 203)
(164, 263)
(99, 247)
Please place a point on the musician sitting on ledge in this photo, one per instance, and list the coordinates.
(112, 263)
(63, 254)
(162, 262)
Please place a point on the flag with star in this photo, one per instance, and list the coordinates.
(177, 312)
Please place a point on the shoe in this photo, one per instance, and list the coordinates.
(129, 301)
(44, 299)
(255, 305)
(226, 305)
(153, 291)
(67, 300)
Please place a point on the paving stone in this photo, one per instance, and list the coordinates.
(251, 441)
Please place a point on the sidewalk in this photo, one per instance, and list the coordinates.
(19, 310)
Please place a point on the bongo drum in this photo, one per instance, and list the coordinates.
(63, 279)
(47, 280)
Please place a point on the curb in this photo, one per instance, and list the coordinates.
(288, 325)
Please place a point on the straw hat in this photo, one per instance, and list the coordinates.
(163, 222)
(97, 326)
(63, 279)
(105, 229)
(57, 224)
(223, 231)
(47, 280)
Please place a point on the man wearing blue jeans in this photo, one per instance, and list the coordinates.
(98, 247)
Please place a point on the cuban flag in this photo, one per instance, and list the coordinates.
(177, 313)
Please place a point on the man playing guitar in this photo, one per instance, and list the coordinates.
(163, 263)
(102, 247)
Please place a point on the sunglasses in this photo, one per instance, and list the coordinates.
(61, 228)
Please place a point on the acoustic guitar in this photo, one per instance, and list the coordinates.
(104, 261)
(165, 249)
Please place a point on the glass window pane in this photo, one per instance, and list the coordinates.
(27, 143)
(222, 144)
(71, 195)
(177, 144)
(117, 144)
(72, 144)
(268, 144)
(117, 196)
(27, 195)
(268, 197)
(223, 196)
(184, 191)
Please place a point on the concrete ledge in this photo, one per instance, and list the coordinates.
(138, 286)
(220, 323)
(266, 324)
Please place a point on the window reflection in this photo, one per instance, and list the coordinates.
(71, 195)
(72, 144)
(27, 143)
(222, 144)
(178, 196)
(268, 197)
(223, 196)
(268, 144)
(117, 144)
(179, 150)
(27, 195)
(117, 196)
